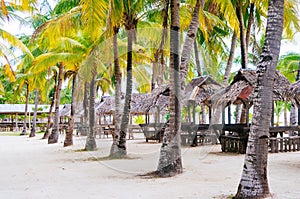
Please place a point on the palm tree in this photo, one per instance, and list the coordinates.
(33, 128)
(254, 181)
(26, 109)
(170, 155)
(53, 138)
(71, 123)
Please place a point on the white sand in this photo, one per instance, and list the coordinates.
(30, 168)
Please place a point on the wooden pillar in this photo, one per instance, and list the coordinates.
(17, 122)
(229, 114)
(272, 118)
(189, 111)
(209, 114)
(223, 120)
(194, 112)
(247, 109)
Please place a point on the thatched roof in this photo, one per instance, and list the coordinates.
(240, 90)
(201, 88)
(107, 106)
(293, 93)
(66, 110)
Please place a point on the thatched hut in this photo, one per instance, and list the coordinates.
(240, 90)
(107, 106)
(196, 93)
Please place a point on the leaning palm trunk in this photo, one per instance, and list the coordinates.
(85, 103)
(230, 59)
(53, 138)
(90, 140)
(47, 132)
(26, 109)
(118, 107)
(33, 128)
(170, 162)
(244, 50)
(69, 134)
(159, 52)
(254, 180)
(122, 151)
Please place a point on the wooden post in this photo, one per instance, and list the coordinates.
(17, 122)
(194, 112)
(209, 114)
(189, 111)
(229, 114)
(158, 114)
(223, 121)
(272, 118)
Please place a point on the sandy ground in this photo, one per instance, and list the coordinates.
(30, 168)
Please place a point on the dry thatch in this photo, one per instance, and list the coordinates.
(66, 110)
(159, 98)
(293, 93)
(107, 106)
(240, 90)
(200, 89)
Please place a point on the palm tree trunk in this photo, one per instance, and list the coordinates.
(26, 109)
(188, 44)
(249, 25)
(90, 140)
(69, 134)
(47, 132)
(118, 107)
(254, 180)
(199, 71)
(122, 151)
(33, 128)
(244, 50)
(170, 162)
(85, 104)
(230, 59)
(159, 52)
(53, 138)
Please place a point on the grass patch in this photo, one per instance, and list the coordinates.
(10, 133)
(111, 158)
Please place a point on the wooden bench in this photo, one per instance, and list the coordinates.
(152, 131)
(132, 128)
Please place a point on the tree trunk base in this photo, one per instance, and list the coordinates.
(90, 144)
(170, 163)
(117, 152)
(46, 134)
(23, 132)
(68, 143)
(32, 133)
(53, 138)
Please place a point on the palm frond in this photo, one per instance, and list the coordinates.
(15, 42)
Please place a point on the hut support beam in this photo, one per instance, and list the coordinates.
(229, 114)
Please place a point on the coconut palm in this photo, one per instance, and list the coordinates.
(33, 128)
(254, 181)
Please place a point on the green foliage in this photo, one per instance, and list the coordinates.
(139, 119)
